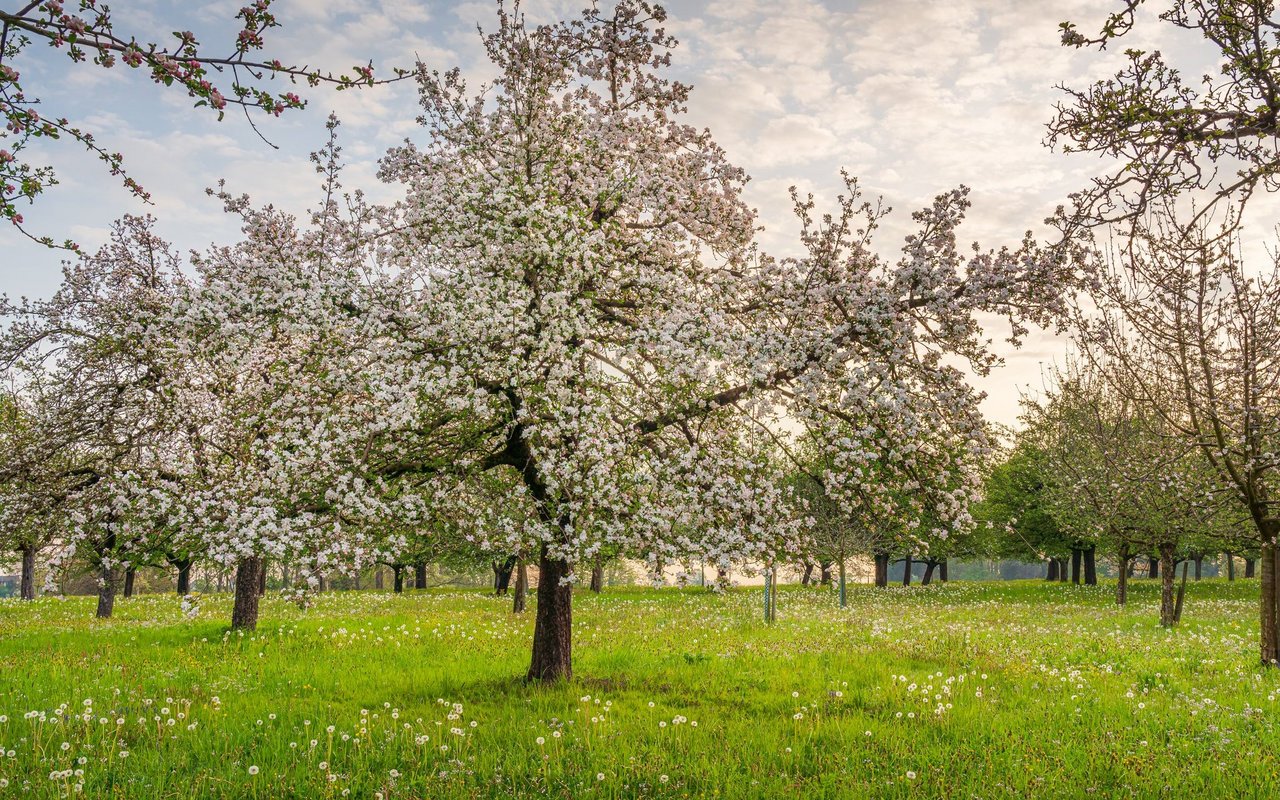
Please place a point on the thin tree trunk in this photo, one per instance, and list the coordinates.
(1199, 559)
(262, 582)
(928, 572)
(397, 578)
(1122, 579)
(824, 574)
(521, 591)
(1166, 585)
(1076, 554)
(28, 589)
(1051, 574)
(1091, 566)
(597, 577)
(843, 583)
(107, 592)
(1062, 570)
(420, 575)
(184, 577)
(1249, 567)
(553, 626)
(129, 574)
(1231, 567)
(244, 614)
(906, 570)
(808, 573)
(942, 570)
(502, 575)
(1182, 593)
(1153, 567)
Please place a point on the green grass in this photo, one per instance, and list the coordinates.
(966, 690)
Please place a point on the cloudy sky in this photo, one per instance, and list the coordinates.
(913, 97)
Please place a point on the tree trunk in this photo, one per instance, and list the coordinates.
(262, 583)
(244, 614)
(1199, 559)
(107, 592)
(1062, 570)
(843, 583)
(420, 575)
(184, 577)
(397, 578)
(129, 574)
(882, 569)
(1091, 566)
(1182, 593)
(1249, 570)
(928, 572)
(942, 570)
(824, 575)
(1166, 585)
(502, 575)
(1052, 574)
(28, 589)
(1153, 567)
(1270, 637)
(1123, 574)
(906, 570)
(1076, 554)
(597, 577)
(521, 591)
(808, 573)
(1231, 567)
(553, 626)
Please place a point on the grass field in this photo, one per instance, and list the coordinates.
(1023, 689)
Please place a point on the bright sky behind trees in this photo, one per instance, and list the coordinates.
(912, 97)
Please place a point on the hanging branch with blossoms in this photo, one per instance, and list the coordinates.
(85, 31)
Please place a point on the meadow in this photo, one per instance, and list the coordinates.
(963, 690)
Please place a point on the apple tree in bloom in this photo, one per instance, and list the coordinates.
(586, 311)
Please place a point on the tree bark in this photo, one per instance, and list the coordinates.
(597, 577)
(942, 570)
(882, 569)
(1091, 566)
(906, 570)
(843, 583)
(420, 575)
(28, 587)
(553, 625)
(107, 592)
(397, 573)
(1153, 567)
(1122, 579)
(1182, 593)
(824, 574)
(184, 576)
(1270, 637)
(521, 590)
(928, 572)
(502, 575)
(262, 581)
(1249, 570)
(1199, 560)
(244, 614)
(129, 574)
(1051, 574)
(1231, 567)
(1062, 570)
(808, 573)
(1076, 554)
(1166, 585)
